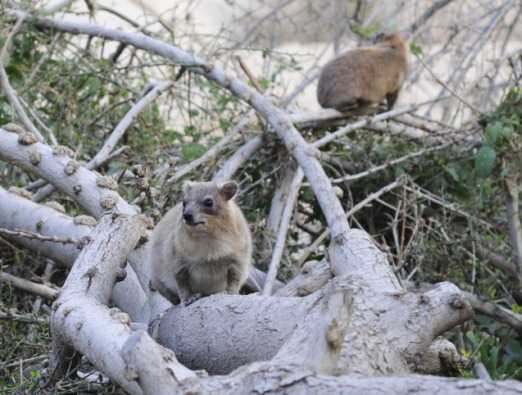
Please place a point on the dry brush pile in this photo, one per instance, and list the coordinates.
(354, 218)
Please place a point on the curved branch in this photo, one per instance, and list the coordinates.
(63, 172)
(20, 213)
(82, 320)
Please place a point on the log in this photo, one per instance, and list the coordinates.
(81, 320)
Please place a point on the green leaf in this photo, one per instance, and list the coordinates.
(416, 49)
(516, 308)
(496, 131)
(493, 132)
(191, 151)
(507, 131)
(484, 161)
(452, 172)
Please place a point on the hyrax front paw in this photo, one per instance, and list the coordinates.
(191, 299)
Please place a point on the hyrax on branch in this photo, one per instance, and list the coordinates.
(364, 76)
(203, 245)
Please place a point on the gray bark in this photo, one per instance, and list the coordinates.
(354, 331)
(82, 321)
(19, 213)
(64, 173)
(269, 378)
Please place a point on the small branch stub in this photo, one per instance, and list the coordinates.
(334, 335)
(55, 205)
(13, 128)
(35, 158)
(62, 150)
(26, 138)
(107, 182)
(71, 167)
(86, 220)
(108, 202)
(21, 192)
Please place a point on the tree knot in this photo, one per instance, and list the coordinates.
(27, 138)
(458, 303)
(71, 167)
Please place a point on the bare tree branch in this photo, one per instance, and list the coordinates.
(29, 286)
(283, 230)
(109, 145)
(105, 334)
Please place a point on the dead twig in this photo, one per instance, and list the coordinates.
(10, 93)
(283, 230)
(370, 198)
(37, 236)
(29, 286)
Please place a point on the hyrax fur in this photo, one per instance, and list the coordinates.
(202, 246)
(364, 76)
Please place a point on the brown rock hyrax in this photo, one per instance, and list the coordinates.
(364, 76)
(202, 246)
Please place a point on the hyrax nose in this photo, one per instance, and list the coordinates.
(188, 217)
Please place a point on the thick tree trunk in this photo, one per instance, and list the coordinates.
(346, 335)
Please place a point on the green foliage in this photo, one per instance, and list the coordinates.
(501, 355)
(191, 151)
(502, 137)
(416, 49)
(365, 32)
(484, 161)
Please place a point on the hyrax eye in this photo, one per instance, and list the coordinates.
(208, 202)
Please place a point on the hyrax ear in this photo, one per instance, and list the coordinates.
(187, 185)
(228, 189)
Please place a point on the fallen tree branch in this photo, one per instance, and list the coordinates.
(495, 311)
(496, 260)
(63, 172)
(291, 379)
(328, 138)
(29, 286)
(232, 164)
(37, 236)
(207, 334)
(25, 318)
(17, 212)
(283, 230)
(81, 320)
(393, 162)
